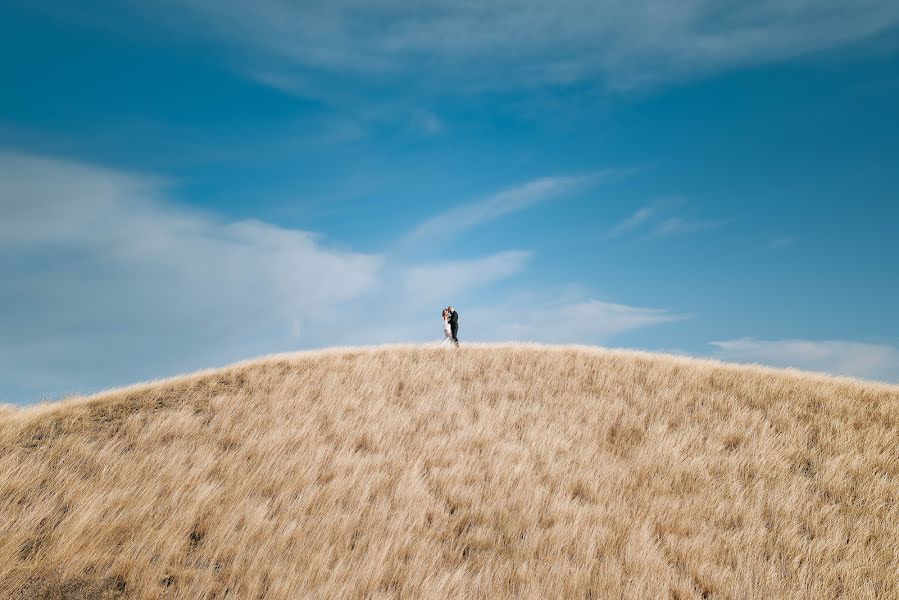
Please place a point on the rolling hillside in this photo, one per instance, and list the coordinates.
(485, 472)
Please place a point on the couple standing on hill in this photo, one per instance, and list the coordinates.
(450, 326)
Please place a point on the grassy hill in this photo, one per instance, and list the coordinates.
(484, 472)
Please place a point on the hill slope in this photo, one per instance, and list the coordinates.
(492, 471)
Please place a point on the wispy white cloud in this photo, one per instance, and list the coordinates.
(858, 359)
(531, 42)
(568, 320)
(463, 217)
(446, 279)
(681, 226)
(655, 220)
(636, 220)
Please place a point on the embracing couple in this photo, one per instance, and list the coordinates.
(450, 326)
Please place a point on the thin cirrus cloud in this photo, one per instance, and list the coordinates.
(466, 216)
(680, 226)
(569, 320)
(655, 221)
(453, 278)
(531, 43)
(636, 220)
(108, 281)
(856, 359)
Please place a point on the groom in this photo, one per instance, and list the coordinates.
(454, 324)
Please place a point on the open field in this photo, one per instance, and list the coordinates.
(484, 472)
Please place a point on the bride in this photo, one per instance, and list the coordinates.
(447, 330)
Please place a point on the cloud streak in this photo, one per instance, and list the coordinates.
(636, 220)
(567, 320)
(463, 217)
(857, 359)
(680, 226)
(528, 43)
(650, 222)
(446, 279)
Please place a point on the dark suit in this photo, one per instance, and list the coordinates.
(454, 326)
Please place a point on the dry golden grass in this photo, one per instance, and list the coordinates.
(483, 472)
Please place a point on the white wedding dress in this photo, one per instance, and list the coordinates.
(447, 333)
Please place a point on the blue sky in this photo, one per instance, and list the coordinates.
(194, 182)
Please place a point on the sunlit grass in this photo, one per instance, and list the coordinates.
(483, 472)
